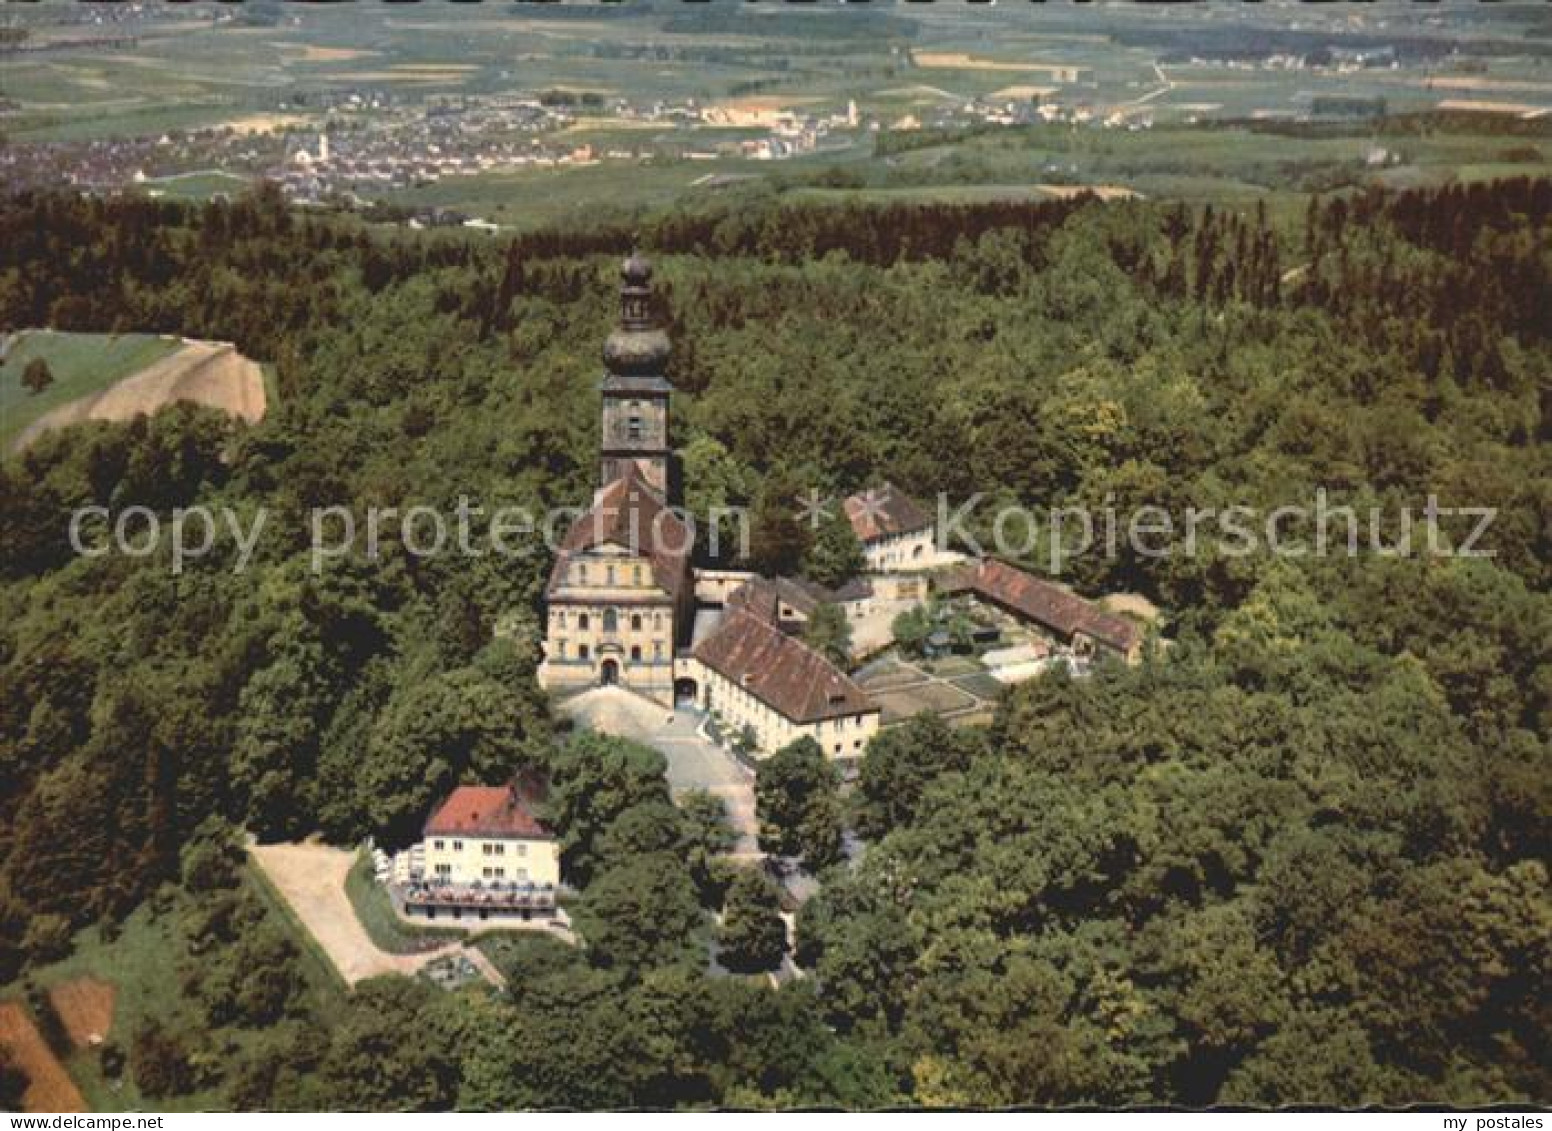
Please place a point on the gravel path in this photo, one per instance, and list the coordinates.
(311, 877)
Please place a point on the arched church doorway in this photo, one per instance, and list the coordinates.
(684, 692)
(609, 673)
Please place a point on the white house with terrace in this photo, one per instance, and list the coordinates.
(484, 854)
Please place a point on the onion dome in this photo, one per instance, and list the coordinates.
(636, 270)
(637, 348)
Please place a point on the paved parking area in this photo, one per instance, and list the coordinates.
(693, 761)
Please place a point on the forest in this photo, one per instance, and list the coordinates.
(1296, 856)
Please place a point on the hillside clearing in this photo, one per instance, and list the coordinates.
(311, 879)
(85, 1007)
(82, 364)
(208, 373)
(51, 1088)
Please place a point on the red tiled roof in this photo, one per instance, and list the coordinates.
(764, 596)
(1042, 602)
(784, 674)
(487, 810)
(629, 513)
(884, 512)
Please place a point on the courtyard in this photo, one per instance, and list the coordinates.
(694, 761)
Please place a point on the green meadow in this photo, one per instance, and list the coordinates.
(145, 959)
(82, 364)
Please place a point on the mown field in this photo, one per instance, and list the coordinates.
(183, 74)
(82, 364)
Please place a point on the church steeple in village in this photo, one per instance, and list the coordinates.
(635, 390)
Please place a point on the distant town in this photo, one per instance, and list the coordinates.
(355, 145)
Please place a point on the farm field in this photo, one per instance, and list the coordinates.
(207, 373)
(183, 74)
(51, 1088)
(1193, 163)
(1177, 118)
(85, 1008)
(952, 194)
(195, 186)
(1165, 159)
(82, 365)
(535, 197)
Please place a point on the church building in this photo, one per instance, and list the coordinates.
(621, 595)
(621, 598)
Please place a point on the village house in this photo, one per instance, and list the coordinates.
(484, 854)
(1075, 622)
(896, 534)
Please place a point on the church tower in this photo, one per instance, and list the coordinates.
(635, 390)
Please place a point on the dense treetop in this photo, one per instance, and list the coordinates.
(1297, 856)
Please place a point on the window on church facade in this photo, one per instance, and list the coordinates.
(583, 620)
(635, 622)
(611, 621)
(636, 652)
